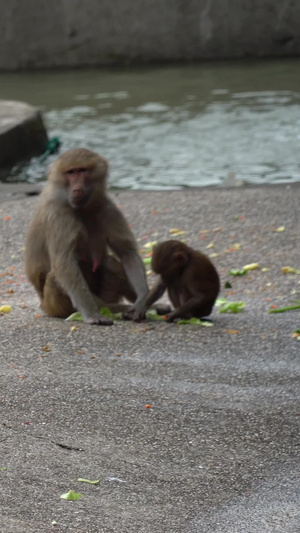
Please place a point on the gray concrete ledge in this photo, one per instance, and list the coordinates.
(22, 134)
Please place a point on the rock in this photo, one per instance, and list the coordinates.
(22, 134)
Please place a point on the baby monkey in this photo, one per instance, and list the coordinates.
(191, 279)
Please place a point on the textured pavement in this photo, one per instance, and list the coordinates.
(218, 451)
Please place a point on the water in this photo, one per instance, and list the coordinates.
(173, 127)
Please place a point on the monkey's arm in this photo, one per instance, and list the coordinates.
(155, 292)
(74, 284)
(122, 242)
(134, 268)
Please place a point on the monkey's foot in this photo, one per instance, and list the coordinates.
(100, 321)
(171, 317)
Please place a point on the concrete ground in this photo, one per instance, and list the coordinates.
(218, 451)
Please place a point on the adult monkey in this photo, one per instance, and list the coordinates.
(66, 255)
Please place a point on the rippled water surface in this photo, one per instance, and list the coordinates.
(172, 127)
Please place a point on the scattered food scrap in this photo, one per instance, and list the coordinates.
(5, 308)
(251, 266)
(290, 270)
(83, 480)
(153, 315)
(47, 348)
(238, 272)
(275, 309)
(229, 307)
(177, 231)
(296, 334)
(195, 321)
(71, 495)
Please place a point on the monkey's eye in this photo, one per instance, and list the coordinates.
(80, 170)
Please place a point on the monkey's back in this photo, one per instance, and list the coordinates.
(204, 274)
(42, 230)
(36, 252)
(199, 280)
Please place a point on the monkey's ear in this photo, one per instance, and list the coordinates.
(181, 256)
(103, 166)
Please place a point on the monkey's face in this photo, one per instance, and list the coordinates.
(80, 184)
(79, 177)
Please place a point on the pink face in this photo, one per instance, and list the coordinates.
(79, 182)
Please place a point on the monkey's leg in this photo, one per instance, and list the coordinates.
(198, 306)
(114, 284)
(109, 284)
(55, 302)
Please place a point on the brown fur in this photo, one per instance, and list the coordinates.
(189, 276)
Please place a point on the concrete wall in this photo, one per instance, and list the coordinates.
(55, 33)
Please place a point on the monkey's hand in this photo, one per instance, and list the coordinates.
(171, 317)
(134, 314)
(99, 320)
